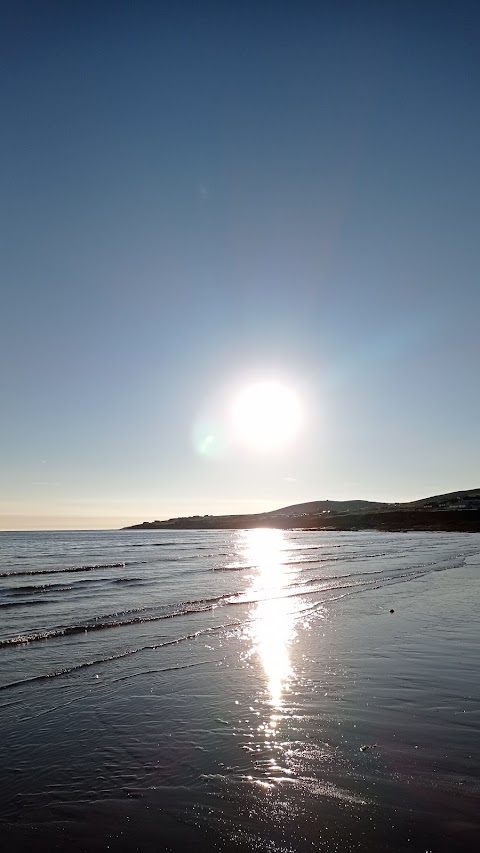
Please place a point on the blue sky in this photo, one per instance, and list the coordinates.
(194, 196)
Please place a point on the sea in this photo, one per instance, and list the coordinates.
(263, 690)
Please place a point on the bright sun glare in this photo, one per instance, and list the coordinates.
(266, 415)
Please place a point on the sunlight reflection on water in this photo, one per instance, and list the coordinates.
(272, 627)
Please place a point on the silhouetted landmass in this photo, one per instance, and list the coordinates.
(456, 511)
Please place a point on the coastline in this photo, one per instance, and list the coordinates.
(398, 520)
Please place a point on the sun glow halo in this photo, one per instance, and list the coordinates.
(266, 415)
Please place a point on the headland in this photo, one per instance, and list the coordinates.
(456, 511)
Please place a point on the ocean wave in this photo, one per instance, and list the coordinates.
(312, 586)
(88, 568)
(239, 567)
(119, 656)
(27, 603)
(54, 588)
(116, 620)
(171, 544)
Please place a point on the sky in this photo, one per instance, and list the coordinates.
(195, 197)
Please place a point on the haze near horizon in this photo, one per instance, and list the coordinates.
(198, 201)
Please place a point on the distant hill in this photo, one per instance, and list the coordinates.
(453, 511)
(326, 506)
(470, 496)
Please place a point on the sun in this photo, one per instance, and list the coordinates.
(266, 415)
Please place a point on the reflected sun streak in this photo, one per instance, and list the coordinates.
(272, 625)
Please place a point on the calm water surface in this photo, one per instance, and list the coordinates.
(239, 690)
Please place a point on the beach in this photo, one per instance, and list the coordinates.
(236, 690)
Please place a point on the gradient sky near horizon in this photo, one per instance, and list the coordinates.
(195, 196)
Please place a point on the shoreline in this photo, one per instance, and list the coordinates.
(401, 520)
